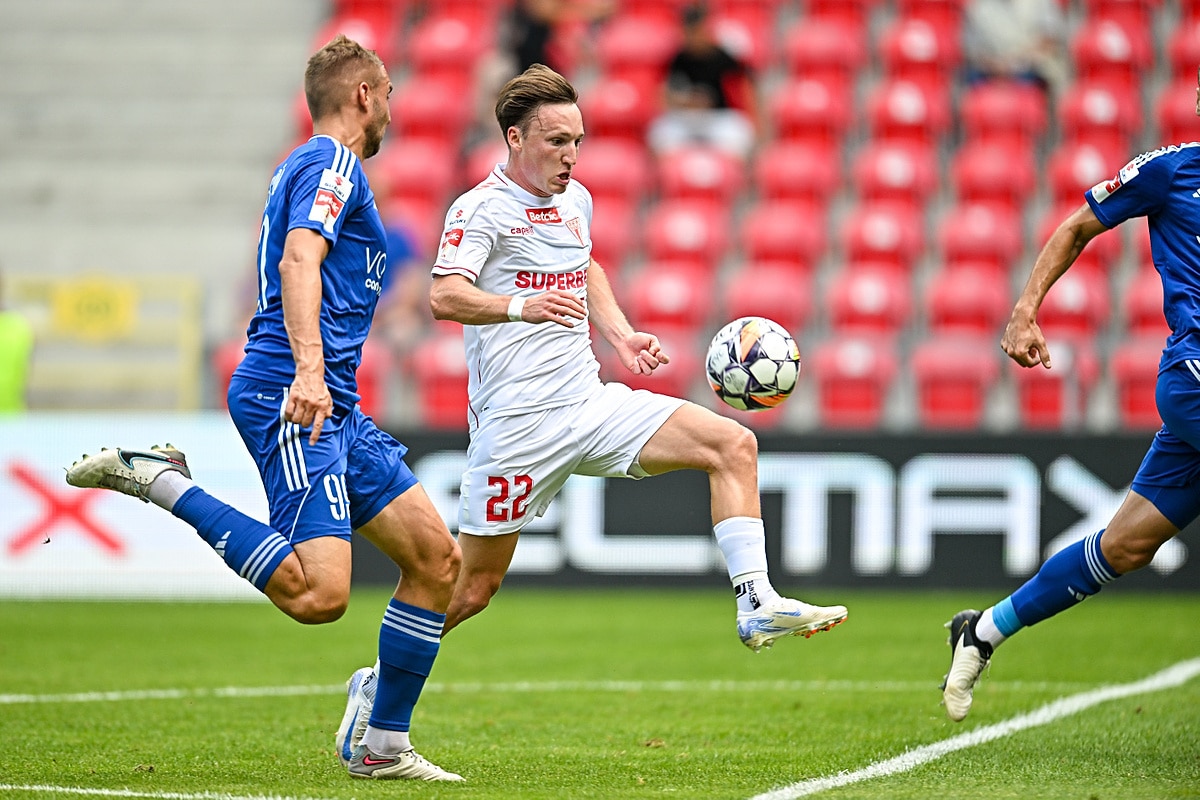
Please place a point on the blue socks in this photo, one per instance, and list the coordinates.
(1066, 579)
(408, 643)
(250, 548)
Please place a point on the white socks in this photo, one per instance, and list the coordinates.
(386, 743)
(743, 542)
(167, 488)
(986, 629)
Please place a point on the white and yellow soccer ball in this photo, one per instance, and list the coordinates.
(753, 364)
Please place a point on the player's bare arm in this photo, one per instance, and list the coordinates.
(1023, 340)
(309, 401)
(640, 352)
(453, 297)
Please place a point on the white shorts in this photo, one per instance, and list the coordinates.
(517, 464)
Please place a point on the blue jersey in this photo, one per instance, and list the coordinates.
(321, 185)
(1164, 186)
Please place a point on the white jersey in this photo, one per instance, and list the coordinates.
(510, 242)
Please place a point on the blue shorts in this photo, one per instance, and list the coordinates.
(1169, 476)
(327, 489)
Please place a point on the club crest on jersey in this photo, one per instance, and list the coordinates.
(543, 216)
(450, 241)
(332, 193)
(576, 227)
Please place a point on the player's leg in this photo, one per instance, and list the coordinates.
(667, 435)
(1164, 499)
(392, 511)
(485, 562)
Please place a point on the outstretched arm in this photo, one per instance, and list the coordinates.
(641, 353)
(1023, 340)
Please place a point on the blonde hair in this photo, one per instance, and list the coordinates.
(520, 98)
(333, 70)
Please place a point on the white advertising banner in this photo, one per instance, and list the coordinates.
(58, 541)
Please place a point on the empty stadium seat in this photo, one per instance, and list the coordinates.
(1075, 168)
(901, 109)
(1183, 51)
(796, 170)
(988, 172)
(883, 232)
(699, 172)
(687, 230)
(430, 107)
(901, 171)
(921, 51)
(791, 231)
(425, 169)
(825, 48)
(747, 31)
(1143, 305)
(812, 110)
(637, 47)
(615, 106)
(483, 157)
(614, 167)
(1134, 371)
(1108, 49)
(669, 294)
(1102, 113)
(1056, 398)
(438, 365)
(448, 46)
(981, 232)
(615, 232)
(1076, 307)
(967, 300)
(851, 12)
(771, 289)
(854, 376)
(375, 28)
(683, 377)
(1138, 14)
(954, 376)
(1175, 111)
(869, 300)
(1005, 112)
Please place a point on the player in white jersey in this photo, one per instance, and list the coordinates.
(515, 268)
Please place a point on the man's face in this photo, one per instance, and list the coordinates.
(542, 157)
(381, 113)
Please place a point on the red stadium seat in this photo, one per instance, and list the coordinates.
(637, 47)
(985, 172)
(374, 28)
(1075, 168)
(1143, 306)
(1102, 113)
(811, 110)
(1175, 111)
(854, 13)
(683, 377)
(954, 376)
(1138, 14)
(854, 376)
(916, 49)
(1134, 371)
(1108, 49)
(981, 232)
(482, 158)
(901, 109)
(430, 107)
(790, 231)
(1004, 112)
(439, 368)
(770, 289)
(687, 230)
(700, 172)
(794, 170)
(669, 294)
(826, 49)
(1076, 307)
(614, 167)
(448, 46)
(883, 232)
(941, 12)
(747, 31)
(900, 171)
(967, 300)
(869, 300)
(615, 232)
(615, 106)
(1057, 398)
(424, 217)
(426, 169)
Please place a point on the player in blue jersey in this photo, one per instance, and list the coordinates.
(1161, 185)
(327, 469)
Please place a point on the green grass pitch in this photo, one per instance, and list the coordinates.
(592, 694)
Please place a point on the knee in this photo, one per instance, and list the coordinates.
(1127, 555)
(739, 449)
(316, 608)
(474, 595)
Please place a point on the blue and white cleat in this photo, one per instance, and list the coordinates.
(360, 698)
(127, 471)
(785, 617)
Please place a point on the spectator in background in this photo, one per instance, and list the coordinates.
(550, 32)
(1020, 40)
(16, 352)
(709, 96)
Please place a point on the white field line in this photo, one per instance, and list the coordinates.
(525, 687)
(1170, 678)
(70, 790)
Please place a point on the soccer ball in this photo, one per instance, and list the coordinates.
(753, 364)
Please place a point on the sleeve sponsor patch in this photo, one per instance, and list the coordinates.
(1102, 191)
(450, 242)
(332, 194)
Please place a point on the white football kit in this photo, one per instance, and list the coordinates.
(538, 411)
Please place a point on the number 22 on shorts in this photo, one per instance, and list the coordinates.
(511, 499)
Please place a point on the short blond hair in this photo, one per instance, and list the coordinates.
(333, 70)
